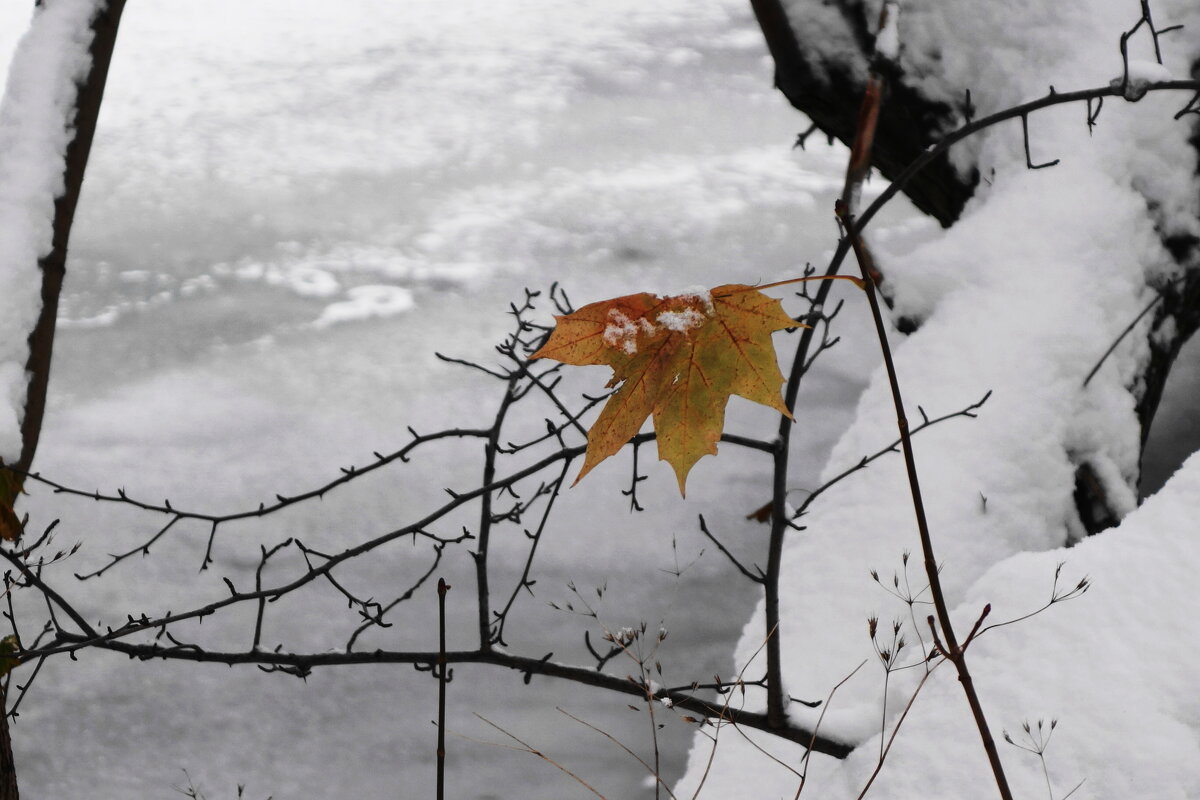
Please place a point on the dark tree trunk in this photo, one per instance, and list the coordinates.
(828, 92)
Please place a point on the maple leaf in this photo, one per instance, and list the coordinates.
(677, 358)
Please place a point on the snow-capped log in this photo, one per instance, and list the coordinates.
(47, 121)
(825, 82)
(1042, 275)
(822, 52)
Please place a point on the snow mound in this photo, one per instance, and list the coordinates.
(1021, 297)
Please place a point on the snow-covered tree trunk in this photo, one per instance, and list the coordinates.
(822, 76)
(1037, 272)
(47, 121)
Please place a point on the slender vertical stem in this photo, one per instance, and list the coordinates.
(856, 171)
(953, 651)
(650, 701)
(860, 165)
(443, 587)
(491, 450)
(776, 707)
(780, 524)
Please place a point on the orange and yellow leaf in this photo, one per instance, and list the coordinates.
(678, 359)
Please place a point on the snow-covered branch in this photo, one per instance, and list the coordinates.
(47, 120)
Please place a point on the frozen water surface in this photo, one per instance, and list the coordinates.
(289, 207)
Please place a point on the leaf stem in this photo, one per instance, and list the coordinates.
(856, 281)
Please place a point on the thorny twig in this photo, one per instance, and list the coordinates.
(71, 634)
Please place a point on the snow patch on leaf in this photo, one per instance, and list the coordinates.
(681, 321)
(621, 332)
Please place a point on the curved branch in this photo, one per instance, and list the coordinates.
(523, 664)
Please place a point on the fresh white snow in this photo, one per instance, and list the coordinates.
(680, 321)
(1021, 297)
(887, 41)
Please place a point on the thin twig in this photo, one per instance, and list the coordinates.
(883, 754)
(967, 411)
(533, 751)
(757, 577)
(816, 728)
(651, 770)
(1128, 329)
